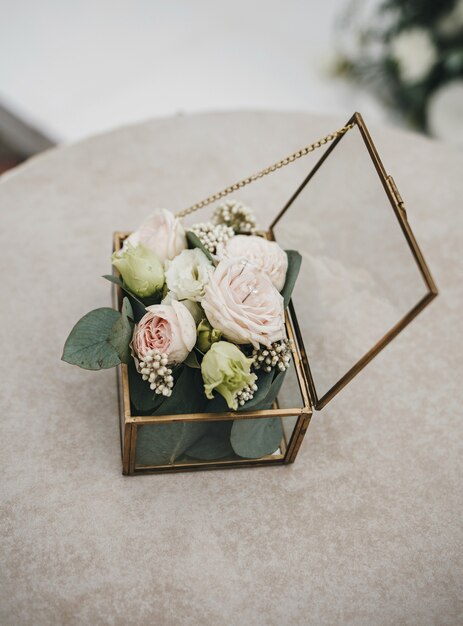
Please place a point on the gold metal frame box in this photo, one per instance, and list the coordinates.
(363, 279)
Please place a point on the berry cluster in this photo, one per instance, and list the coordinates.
(210, 235)
(153, 368)
(277, 355)
(245, 394)
(237, 216)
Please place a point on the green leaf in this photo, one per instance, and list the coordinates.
(113, 279)
(89, 344)
(139, 308)
(214, 444)
(216, 405)
(267, 392)
(274, 390)
(192, 360)
(121, 332)
(144, 400)
(294, 265)
(263, 382)
(195, 242)
(162, 444)
(254, 438)
(127, 310)
(187, 395)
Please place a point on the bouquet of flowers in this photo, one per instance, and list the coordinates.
(201, 329)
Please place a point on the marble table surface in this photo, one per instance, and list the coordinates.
(365, 528)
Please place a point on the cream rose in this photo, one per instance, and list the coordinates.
(188, 274)
(266, 255)
(163, 233)
(170, 329)
(194, 307)
(241, 301)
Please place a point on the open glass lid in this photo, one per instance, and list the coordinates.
(362, 278)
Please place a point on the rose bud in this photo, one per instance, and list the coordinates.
(140, 268)
(206, 336)
(226, 369)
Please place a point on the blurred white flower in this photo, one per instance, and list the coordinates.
(451, 23)
(415, 54)
(445, 112)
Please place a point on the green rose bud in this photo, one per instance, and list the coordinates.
(207, 336)
(226, 370)
(140, 268)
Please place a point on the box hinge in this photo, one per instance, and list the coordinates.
(396, 194)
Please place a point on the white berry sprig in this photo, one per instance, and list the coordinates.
(153, 368)
(237, 216)
(210, 235)
(245, 394)
(277, 355)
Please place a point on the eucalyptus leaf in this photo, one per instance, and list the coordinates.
(269, 392)
(195, 242)
(113, 279)
(294, 265)
(162, 444)
(263, 382)
(192, 360)
(216, 405)
(255, 438)
(187, 395)
(139, 308)
(127, 309)
(214, 444)
(90, 344)
(274, 390)
(121, 332)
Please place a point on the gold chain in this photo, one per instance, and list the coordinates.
(268, 170)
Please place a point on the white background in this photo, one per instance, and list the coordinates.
(78, 67)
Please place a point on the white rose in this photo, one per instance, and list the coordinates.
(188, 274)
(241, 301)
(163, 233)
(266, 255)
(415, 54)
(170, 329)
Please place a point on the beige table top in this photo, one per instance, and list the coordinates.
(365, 527)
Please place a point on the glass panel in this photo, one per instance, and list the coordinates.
(187, 442)
(358, 276)
(290, 395)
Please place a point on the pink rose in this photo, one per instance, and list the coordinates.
(241, 301)
(170, 329)
(162, 233)
(266, 255)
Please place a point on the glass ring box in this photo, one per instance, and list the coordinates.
(362, 280)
